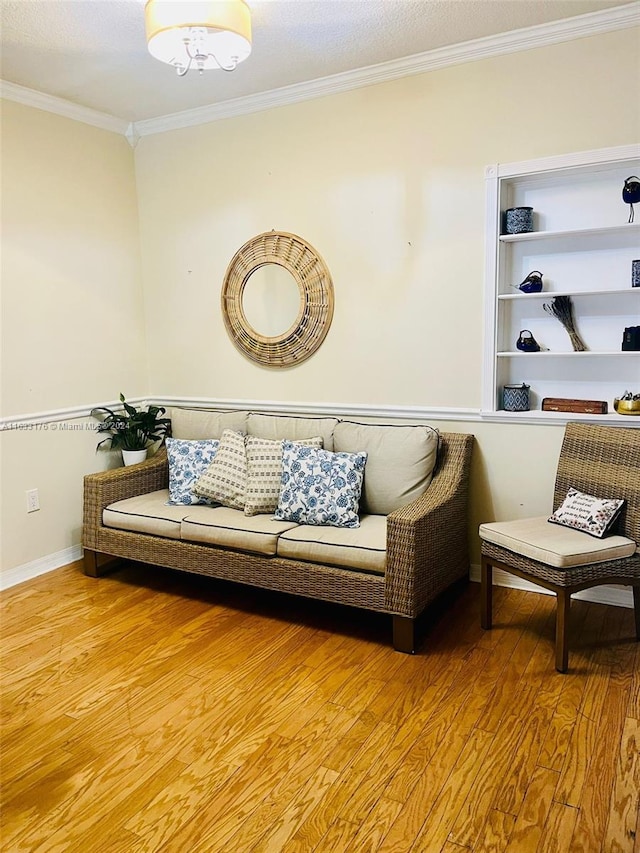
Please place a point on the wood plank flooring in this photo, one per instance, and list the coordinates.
(154, 711)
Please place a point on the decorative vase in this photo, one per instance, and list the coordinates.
(132, 457)
(515, 398)
(532, 283)
(526, 342)
(518, 220)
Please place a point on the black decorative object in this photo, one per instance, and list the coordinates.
(631, 193)
(527, 343)
(631, 339)
(518, 220)
(635, 273)
(515, 398)
(532, 283)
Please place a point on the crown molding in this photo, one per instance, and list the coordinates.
(51, 104)
(528, 38)
(568, 29)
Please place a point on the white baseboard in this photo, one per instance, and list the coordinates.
(598, 595)
(613, 595)
(41, 566)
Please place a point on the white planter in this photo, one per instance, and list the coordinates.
(132, 457)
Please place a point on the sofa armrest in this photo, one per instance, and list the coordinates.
(427, 540)
(106, 487)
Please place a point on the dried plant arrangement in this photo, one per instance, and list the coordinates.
(561, 308)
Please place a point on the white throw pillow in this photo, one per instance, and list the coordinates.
(187, 461)
(264, 472)
(320, 487)
(225, 480)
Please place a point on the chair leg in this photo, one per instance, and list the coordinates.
(636, 609)
(562, 629)
(486, 594)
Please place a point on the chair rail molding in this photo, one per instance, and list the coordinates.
(23, 421)
(363, 410)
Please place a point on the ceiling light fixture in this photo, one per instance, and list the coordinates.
(202, 34)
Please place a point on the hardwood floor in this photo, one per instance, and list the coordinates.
(152, 711)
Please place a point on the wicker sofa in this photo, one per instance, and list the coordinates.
(425, 551)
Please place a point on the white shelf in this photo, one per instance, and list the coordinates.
(549, 294)
(553, 354)
(585, 248)
(538, 416)
(608, 230)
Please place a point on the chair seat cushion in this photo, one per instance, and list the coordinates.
(363, 547)
(561, 547)
(146, 514)
(230, 528)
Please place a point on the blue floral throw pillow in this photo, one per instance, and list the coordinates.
(187, 461)
(320, 487)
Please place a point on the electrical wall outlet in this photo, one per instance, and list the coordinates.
(33, 500)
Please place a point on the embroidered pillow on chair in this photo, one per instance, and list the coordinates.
(595, 516)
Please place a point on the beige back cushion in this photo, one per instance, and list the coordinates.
(293, 428)
(197, 424)
(400, 462)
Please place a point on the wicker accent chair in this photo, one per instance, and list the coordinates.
(601, 461)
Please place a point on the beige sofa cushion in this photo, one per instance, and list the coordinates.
(225, 480)
(230, 528)
(556, 546)
(264, 472)
(363, 547)
(146, 514)
(197, 424)
(293, 428)
(400, 462)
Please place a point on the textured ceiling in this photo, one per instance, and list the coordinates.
(93, 52)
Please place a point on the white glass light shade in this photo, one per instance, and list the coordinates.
(208, 33)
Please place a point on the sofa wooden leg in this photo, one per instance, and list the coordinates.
(404, 634)
(636, 609)
(97, 564)
(486, 594)
(562, 630)
(91, 563)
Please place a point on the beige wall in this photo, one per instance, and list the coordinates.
(72, 312)
(387, 183)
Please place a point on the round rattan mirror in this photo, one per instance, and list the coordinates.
(310, 327)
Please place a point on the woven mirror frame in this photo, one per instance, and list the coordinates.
(311, 274)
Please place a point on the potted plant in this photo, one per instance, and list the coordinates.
(132, 430)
